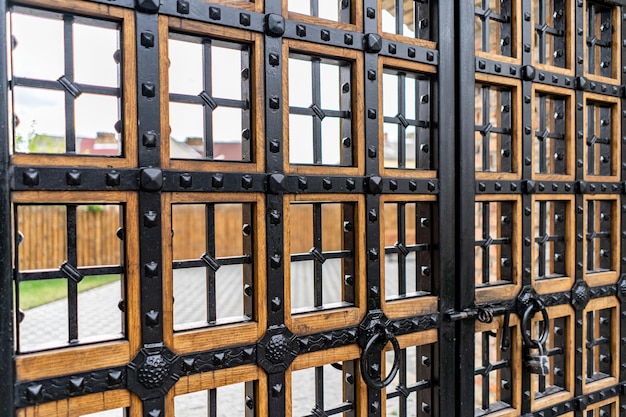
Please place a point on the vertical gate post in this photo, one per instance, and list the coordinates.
(151, 182)
(6, 287)
(274, 151)
(465, 204)
(445, 406)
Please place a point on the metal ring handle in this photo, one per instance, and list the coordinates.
(379, 384)
(531, 310)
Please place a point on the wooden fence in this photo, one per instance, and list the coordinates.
(44, 228)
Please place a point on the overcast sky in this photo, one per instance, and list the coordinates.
(39, 54)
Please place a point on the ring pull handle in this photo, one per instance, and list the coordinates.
(382, 336)
(536, 306)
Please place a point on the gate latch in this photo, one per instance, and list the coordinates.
(536, 364)
(374, 334)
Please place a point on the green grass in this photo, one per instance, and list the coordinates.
(36, 293)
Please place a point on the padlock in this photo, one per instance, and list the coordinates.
(538, 364)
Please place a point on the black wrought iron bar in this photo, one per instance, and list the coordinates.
(315, 8)
(486, 248)
(344, 407)
(401, 259)
(420, 247)
(401, 99)
(249, 229)
(402, 381)
(486, 113)
(603, 342)
(308, 111)
(340, 254)
(417, 387)
(207, 84)
(542, 128)
(486, 389)
(605, 44)
(316, 95)
(68, 52)
(246, 115)
(16, 241)
(491, 367)
(603, 165)
(54, 273)
(199, 263)
(220, 102)
(345, 79)
(542, 233)
(399, 14)
(72, 286)
(506, 146)
(506, 29)
(318, 284)
(211, 296)
(541, 31)
(212, 397)
(319, 387)
(55, 85)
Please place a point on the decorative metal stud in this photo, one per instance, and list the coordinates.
(147, 39)
(215, 13)
(244, 19)
(73, 177)
(151, 179)
(373, 43)
(182, 6)
(112, 179)
(274, 25)
(148, 90)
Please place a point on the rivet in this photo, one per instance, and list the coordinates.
(392, 48)
(147, 39)
(244, 19)
(348, 39)
(325, 35)
(215, 13)
(411, 52)
(274, 102)
(217, 181)
(185, 180)
(301, 30)
(246, 182)
(371, 12)
(182, 7)
(148, 90)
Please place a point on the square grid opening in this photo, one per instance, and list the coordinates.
(494, 136)
(209, 99)
(408, 240)
(322, 240)
(320, 111)
(66, 256)
(408, 137)
(410, 18)
(52, 104)
(213, 263)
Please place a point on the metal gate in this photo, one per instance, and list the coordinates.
(306, 207)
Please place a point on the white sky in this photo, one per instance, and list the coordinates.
(39, 55)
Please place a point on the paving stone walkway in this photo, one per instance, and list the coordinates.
(99, 317)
